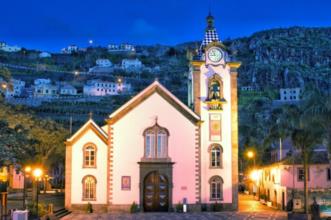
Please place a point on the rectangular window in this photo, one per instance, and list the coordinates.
(328, 174)
(301, 174)
(149, 146)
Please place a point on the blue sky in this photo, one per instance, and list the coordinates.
(53, 24)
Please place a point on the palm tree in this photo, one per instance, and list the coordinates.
(294, 121)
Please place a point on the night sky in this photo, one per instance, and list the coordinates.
(53, 24)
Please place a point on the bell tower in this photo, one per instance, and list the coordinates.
(213, 96)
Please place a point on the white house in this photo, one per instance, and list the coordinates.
(132, 64)
(70, 49)
(290, 94)
(45, 55)
(40, 81)
(7, 48)
(156, 151)
(100, 88)
(17, 88)
(115, 48)
(45, 90)
(67, 89)
(104, 63)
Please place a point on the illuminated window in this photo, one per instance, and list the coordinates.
(89, 188)
(156, 142)
(216, 188)
(90, 155)
(216, 153)
(215, 88)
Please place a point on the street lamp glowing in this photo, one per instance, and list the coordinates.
(27, 169)
(76, 73)
(37, 173)
(250, 154)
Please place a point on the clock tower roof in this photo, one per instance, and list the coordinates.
(210, 34)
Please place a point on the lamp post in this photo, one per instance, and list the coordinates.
(26, 171)
(251, 155)
(37, 173)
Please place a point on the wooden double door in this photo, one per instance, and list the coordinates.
(156, 192)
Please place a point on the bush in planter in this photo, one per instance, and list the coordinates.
(89, 208)
(32, 207)
(179, 207)
(134, 208)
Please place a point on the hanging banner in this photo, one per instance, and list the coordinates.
(215, 127)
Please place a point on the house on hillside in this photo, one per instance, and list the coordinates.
(7, 48)
(16, 89)
(68, 89)
(102, 66)
(122, 48)
(70, 49)
(44, 88)
(105, 88)
(290, 94)
(44, 55)
(131, 65)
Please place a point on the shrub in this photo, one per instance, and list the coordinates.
(32, 207)
(179, 207)
(134, 208)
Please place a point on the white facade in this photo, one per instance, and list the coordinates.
(112, 48)
(132, 64)
(68, 90)
(45, 55)
(41, 81)
(100, 88)
(290, 94)
(104, 63)
(17, 88)
(45, 90)
(70, 49)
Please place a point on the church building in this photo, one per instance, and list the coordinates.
(157, 151)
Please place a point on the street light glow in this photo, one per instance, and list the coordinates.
(250, 154)
(27, 169)
(37, 173)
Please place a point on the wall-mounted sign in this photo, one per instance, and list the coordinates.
(215, 127)
(126, 183)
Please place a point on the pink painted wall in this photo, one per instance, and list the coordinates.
(129, 149)
(318, 176)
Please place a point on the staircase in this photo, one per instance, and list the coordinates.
(61, 213)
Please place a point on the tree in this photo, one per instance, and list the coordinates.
(293, 121)
(5, 74)
(14, 144)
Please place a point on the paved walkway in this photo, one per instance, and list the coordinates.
(249, 209)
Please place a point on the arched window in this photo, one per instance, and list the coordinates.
(216, 156)
(156, 142)
(216, 188)
(89, 155)
(89, 188)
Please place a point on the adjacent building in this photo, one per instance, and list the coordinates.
(14, 177)
(67, 89)
(156, 151)
(44, 88)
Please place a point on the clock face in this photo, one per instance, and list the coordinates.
(215, 55)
